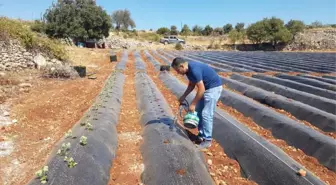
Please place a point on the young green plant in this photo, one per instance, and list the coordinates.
(69, 134)
(83, 140)
(64, 149)
(71, 162)
(88, 126)
(42, 174)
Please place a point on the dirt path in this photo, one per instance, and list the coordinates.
(222, 169)
(127, 166)
(44, 114)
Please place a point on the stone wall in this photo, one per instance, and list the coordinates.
(314, 40)
(14, 57)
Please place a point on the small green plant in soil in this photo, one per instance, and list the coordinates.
(42, 174)
(83, 140)
(64, 149)
(68, 134)
(71, 162)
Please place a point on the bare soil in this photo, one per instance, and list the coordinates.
(127, 166)
(46, 112)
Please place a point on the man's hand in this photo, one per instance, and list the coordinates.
(190, 88)
(192, 108)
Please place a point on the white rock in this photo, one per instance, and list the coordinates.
(25, 85)
(14, 121)
(26, 54)
(6, 113)
(40, 61)
(221, 182)
(209, 162)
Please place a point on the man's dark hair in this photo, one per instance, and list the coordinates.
(178, 61)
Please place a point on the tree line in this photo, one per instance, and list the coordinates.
(271, 30)
(83, 19)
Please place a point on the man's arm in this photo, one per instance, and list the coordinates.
(191, 87)
(199, 95)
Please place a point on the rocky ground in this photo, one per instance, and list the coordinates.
(33, 119)
(14, 57)
(318, 39)
(118, 42)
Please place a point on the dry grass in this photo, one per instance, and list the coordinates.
(10, 80)
(15, 29)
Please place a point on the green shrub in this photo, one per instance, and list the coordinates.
(163, 30)
(152, 37)
(38, 26)
(79, 20)
(178, 46)
(14, 29)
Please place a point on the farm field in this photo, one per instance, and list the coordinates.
(275, 123)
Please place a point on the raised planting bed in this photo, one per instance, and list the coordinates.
(298, 86)
(260, 160)
(122, 64)
(312, 142)
(168, 154)
(155, 63)
(329, 77)
(321, 119)
(139, 65)
(331, 81)
(218, 67)
(236, 64)
(164, 59)
(321, 103)
(84, 155)
(308, 81)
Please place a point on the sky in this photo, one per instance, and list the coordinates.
(152, 14)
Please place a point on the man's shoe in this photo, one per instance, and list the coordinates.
(204, 145)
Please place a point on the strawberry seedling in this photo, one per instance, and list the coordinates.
(88, 126)
(64, 149)
(42, 174)
(83, 140)
(68, 134)
(71, 162)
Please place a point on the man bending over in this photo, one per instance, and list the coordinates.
(209, 88)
